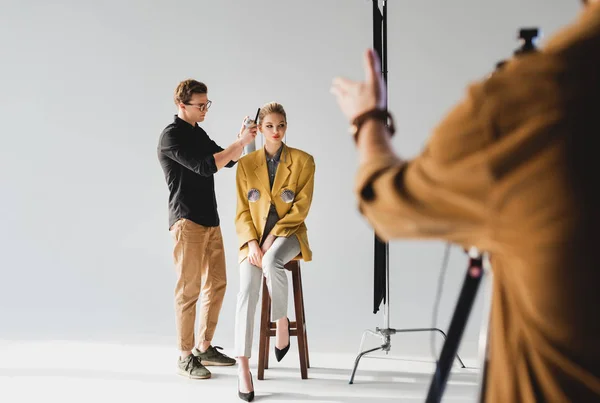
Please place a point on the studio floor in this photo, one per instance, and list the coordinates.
(68, 372)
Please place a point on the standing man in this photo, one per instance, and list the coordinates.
(189, 159)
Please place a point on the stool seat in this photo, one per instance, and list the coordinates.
(297, 327)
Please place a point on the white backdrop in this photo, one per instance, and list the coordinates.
(86, 88)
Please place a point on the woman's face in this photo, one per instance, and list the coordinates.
(273, 127)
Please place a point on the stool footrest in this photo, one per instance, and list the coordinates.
(293, 325)
(293, 333)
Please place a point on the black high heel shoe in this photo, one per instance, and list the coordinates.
(247, 397)
(279, 354)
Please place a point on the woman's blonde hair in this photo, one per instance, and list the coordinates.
(269, 108)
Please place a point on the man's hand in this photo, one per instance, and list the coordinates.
(268, 243)
(356, 97)
(254, 253)
(247, 134)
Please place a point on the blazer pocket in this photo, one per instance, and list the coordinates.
(253, 195)
(287, 195)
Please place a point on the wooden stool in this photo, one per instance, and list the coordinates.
(297, 328)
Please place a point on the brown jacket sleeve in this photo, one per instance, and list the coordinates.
(442, 193)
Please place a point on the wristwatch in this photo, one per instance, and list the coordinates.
(378, 114)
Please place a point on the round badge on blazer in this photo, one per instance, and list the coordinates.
(287, 195)
(253, 195)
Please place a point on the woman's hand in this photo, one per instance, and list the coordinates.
(356, 97)
(268, 243)
(254, 253)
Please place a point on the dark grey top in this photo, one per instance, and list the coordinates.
(272, 218)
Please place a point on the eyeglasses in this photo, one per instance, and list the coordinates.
(202, 107)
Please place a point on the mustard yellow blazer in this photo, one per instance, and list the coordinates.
(292, 195)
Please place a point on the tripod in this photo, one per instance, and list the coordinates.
(382, 248)
(471, 284)
(464, 305)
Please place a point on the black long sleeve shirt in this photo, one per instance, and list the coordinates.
(186, 155)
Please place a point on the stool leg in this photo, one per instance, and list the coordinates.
(304, 319)
(268, 321)
(267, 349)
(264, 331)
(299, 323)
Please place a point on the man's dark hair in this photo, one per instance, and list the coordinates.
(186, 89)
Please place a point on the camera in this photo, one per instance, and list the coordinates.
(527, 37)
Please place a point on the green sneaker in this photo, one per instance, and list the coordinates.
(213, 357)
(192, 368)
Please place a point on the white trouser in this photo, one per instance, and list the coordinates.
(281, 252)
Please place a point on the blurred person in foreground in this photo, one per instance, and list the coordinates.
(511, 170)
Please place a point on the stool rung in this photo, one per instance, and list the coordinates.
(293, 325)
(293, 332)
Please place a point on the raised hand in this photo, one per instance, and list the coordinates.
(356, 97)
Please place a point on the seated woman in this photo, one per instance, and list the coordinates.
(274, 194)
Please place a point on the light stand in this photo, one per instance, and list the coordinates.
(382, 248)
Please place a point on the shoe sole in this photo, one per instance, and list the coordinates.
(190, 376)
(216, 364)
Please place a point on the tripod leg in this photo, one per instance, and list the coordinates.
(456, 330)
(358, 359)
(462, 364)
(483, 382)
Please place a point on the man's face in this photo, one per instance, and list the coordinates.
(197, 107)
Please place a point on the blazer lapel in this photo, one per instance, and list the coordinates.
(283, 170)
(261, 171)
